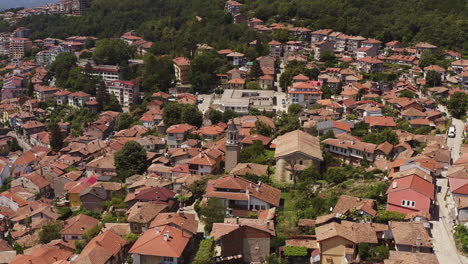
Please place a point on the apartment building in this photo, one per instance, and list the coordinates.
(19, 47)
(127, 92)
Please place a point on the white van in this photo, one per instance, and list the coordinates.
(451, 132)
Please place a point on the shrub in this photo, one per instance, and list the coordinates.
(205, 252)
(292, 251)
(384, 216)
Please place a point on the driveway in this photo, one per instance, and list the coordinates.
(442, 237)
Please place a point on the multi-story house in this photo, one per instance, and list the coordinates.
(176, 134)
(106, 72)
(320, 35)
(21, 32)
(241, 194)
(424, 46)
(320, 47)
(236, 58)
(61, 96)
(78, 99)
(44, 93)
(127, 92)
(19, 47)
(276, 48)
(181, 69)
(305, 93)
(13, 86)
(369, 47)
(350, 151)
(370, 64)
(232, 7)
(245, 240)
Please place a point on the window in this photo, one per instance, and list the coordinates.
(407, 203)
(168, 259)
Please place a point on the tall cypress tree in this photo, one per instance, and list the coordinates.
(56, 138)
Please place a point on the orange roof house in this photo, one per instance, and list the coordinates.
(75, 227)
(165, 241)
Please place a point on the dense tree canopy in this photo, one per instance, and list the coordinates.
(174, 29)
(112, 52)
(130, 160)
(175, 113)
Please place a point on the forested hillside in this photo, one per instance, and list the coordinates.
(177, 24)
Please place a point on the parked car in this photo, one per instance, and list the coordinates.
(451, 132)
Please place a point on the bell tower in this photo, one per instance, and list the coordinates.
(232, 147)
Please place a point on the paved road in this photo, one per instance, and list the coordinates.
(444, 245)
(455, 143)
(23, 144)
(207, 100)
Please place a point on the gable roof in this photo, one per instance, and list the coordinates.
(101, 249)
(412, 182)
(348, 203)
(78, 225)
(153, 242)
(298, 141)
(232, 224)
(263, 192)
(410, 233)
(181, 220)
(143, 212)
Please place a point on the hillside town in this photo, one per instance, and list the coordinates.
(312, 147)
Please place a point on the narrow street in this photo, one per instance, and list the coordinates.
(444, 244)
(23, 144)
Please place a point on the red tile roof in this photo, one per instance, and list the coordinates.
(415, 183)
(153, 242)
(78, 225)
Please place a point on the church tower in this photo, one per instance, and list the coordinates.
(232, 147)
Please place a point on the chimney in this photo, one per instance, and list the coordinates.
(166, 236)
(182, 228)
(395, 185)
(268, 224)
(157, 230)
(237, 220)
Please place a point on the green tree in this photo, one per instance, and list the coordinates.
(213, 211)
(328, 57)
(112, 52)
(91, 233)
(61, 68)
(378, 138)
(50, 232)
(263, 129)
(124, 121)
(427, 58)
(56, 137)
(256, 70)
(175, 113)
(203, 69)
(407, 94)
(157, 73)
(191, 115)
(254, 153)
(215, 116)
(433, 79)
(328, 134)
(458, 104)
(13, 145)
(294, 109)
(228, 115)
(130, 160)
(102, 96)
(205, 252)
